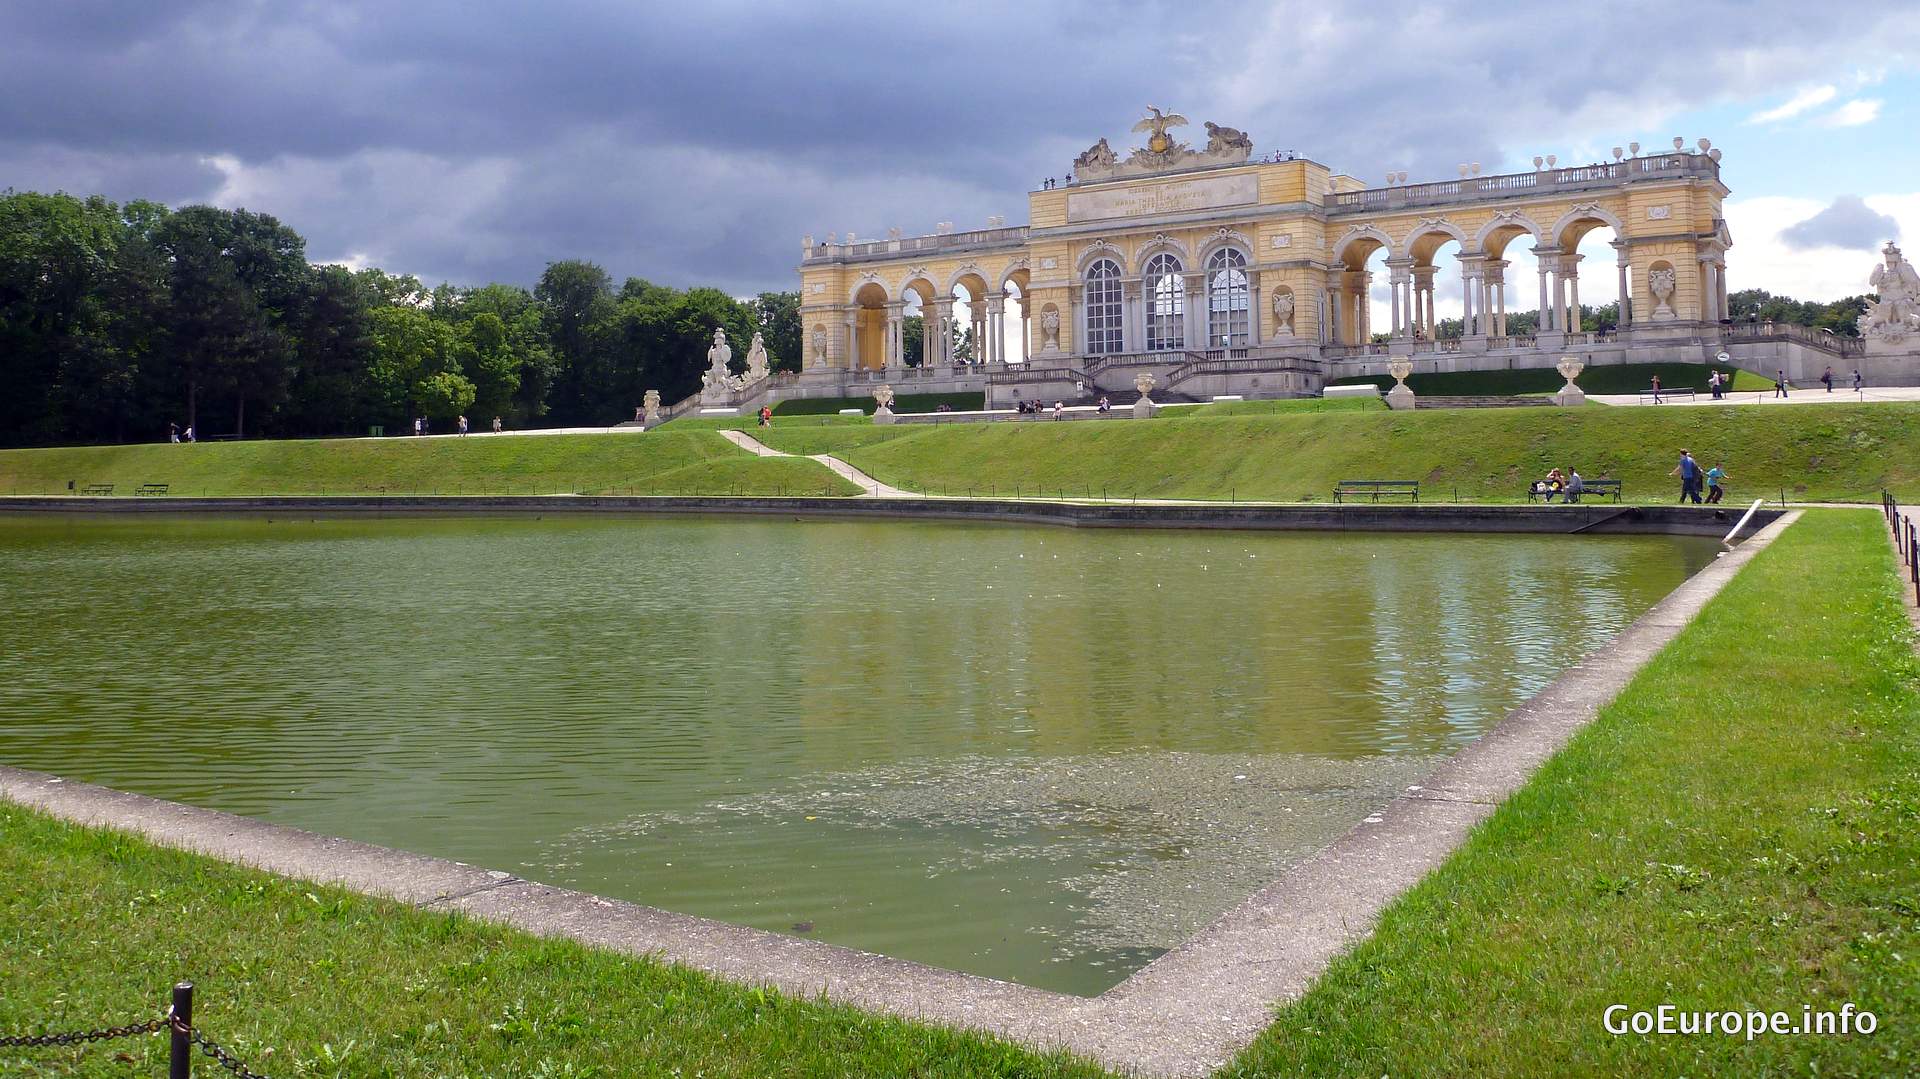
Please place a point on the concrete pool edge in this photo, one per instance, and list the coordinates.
(1185, 1014)
(1591, 518)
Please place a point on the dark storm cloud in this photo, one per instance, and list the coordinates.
(1848, 222)
(697, 142)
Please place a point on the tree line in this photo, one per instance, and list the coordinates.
(117, 320)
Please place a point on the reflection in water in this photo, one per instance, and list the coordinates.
(1037, 754)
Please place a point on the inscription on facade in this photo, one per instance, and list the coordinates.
(1180, 196)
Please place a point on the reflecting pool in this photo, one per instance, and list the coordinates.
(1045, 755)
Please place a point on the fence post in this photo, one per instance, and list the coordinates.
(180, 1056)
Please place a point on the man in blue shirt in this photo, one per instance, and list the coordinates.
(1715, 476)
(1689, 472)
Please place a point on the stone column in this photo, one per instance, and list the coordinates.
(937, 334)
(1026, 329)
(1335, 289)
(851, 323)
(896, 336)
(1709, 289)
(1397, 282)
(1570, 269)
(1423, 300)
(1625, 304)
(1364, 303)
(1495, 271)
(1194, 314)
(1256, 312)
(1543, 318)
(996, 327)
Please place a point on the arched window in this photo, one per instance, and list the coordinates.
(1166, 303)
(1227, 299)
(1103, 307)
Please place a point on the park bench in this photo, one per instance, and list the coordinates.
(1376, 488)
(1667, 395)
(1589, 490)
(151, 489)
(97, 489)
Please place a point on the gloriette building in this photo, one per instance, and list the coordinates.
(1220, 271)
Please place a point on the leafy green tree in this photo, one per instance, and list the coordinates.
(444, 395)
(410, 347)
(333, 331)
(777, 316)
(56, 252)
(577, 302)
(491, 364)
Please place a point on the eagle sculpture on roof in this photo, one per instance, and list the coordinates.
(1157, 123)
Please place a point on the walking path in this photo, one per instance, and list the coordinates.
(869, 487)
(1797, 395)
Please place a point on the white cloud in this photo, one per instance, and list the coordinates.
(1812, 97)
(1762, 258)
(1864, 110)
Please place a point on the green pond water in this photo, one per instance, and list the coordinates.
(1043, 755)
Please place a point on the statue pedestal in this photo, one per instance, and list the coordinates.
(884, 415)
(1400, 398)
(1570, 396)
(1144, 409)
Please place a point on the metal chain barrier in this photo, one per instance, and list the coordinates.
(37, 1041)
(178, 1022)
(221, 1056)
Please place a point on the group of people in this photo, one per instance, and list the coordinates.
(174, 434)
(1035, 408)
(1691, 478)
(423, 427)
(1566, 486)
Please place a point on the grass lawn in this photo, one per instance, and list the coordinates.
(694, 462)
(302, 980)
(1739, 830)
(1609, 378)
(1846, 452)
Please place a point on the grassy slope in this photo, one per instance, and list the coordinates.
(694, 462)
(304, 980)
(1740, 829)
(1837, 451)
(1611, 378)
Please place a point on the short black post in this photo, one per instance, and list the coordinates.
(180, 1057)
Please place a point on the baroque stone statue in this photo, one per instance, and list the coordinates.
(718, 357)
(819, 346)
(1661, 283)
(1223, 140)
(757, 359)
(883, 396)
(1897, 314)
(1049, 330)
(1155, 125)
(1098, 158)
(650, 406)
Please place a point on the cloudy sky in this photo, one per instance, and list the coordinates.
(695, 143)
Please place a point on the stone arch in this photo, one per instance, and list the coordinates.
(1096, 251)
(918, 283)
(1161, 244)
(1496, 234)
(870, 301)
(1226, 237)
(971, 276)
(1581, 220)
(1359, 244)
(1431, 234)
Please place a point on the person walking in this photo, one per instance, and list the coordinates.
(1714, 477)
(496, 425)
(1059, 408)
(1689, 472)
(173, 432)
(1826, 378)
(1656, 389)
(463, 426)
(1779, 383)
(1856, 382)
(416, 427)
(188, 433)
(766, 416)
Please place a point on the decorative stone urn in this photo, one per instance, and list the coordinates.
(1570, 394)
(1144, 408)
(651, 406)
(1400, 397)
(883, 396)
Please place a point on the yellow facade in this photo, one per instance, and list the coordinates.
(1298, 230)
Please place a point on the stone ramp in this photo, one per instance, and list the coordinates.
(869, 487)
